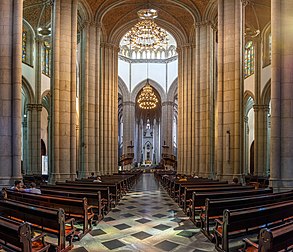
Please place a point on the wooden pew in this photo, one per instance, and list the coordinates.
(17, 236)
(186, 198)
(92, 194)
(178, 188)
(279, 238)
(115, 192)
(214, 207)
(198, 199)
(73, 207)
(174, 185)
(242, 222)
(47, 220)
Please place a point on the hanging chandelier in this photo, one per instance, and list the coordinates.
(147, 98)
(146, 34)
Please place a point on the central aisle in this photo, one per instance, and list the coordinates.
(145, 220)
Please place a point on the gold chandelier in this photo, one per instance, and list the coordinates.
(147, 98)
(146, 35)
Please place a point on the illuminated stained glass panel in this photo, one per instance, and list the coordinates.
(249, 59)
(24, 46)
(46, 59)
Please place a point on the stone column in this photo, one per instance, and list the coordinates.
(128, 128)
(260, 142)
(230, 89)
(108, 107)
(10, 90)
(187, 151)
(24, 143)
(98, 102)
(139, 125)
(63, 87)
(34, 111)
(282, 96)
(34, 139)
(205, 97)
(128, 124)
(167, 126)
(84, 102)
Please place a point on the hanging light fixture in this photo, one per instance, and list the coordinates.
(146, 34)
(147, 99)
(45, 30)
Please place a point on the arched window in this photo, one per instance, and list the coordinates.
(46, 59)
(267, 47)
(24, 46)
(249, 59)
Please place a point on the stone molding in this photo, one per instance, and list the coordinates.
(128, 103)
(259, 107)
(34, 106)
(167, 103)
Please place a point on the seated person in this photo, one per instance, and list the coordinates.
(92, 176)
(98, 179)
(183, 178)
(17, 185)
(33, 189)
(235, 180)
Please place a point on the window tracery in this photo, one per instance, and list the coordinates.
(46, 59)
(249, 59)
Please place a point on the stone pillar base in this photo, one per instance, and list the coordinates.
(228, 177)
(8, 181)
(61, 177)
(281, 185)
(127, 167)
(206, 175)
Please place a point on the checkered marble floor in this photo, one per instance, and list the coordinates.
(146, 220)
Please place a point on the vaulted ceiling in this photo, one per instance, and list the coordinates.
(174, 15)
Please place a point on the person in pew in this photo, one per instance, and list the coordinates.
(33, 189)
(17, 186)
(92, 176)
(98, 179)
(235, 181)
(183, 178)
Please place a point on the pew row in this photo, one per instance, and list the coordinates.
(248, 221)
(45, 219)
(17, 236)
(278, 238)
(73, 207)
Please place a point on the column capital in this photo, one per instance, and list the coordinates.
(167, 103)
(33, 106)
(84, 24)
(110, 46)
(128, 103)
(185, 47)
(261, 107)
(205, 23)
(247, 2)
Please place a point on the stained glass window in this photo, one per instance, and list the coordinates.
(46, 59)
(24, 46)
(249, 59)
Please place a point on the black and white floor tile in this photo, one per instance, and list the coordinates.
(146, 220)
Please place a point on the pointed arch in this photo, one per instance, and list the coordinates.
(266, 93)
(28, 91)
(173, 90)
(154, 84)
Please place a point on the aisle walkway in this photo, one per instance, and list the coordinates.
(146, 220)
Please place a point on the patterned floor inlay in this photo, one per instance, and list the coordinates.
(148, 220)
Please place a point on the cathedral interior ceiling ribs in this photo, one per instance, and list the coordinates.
(179, 14)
